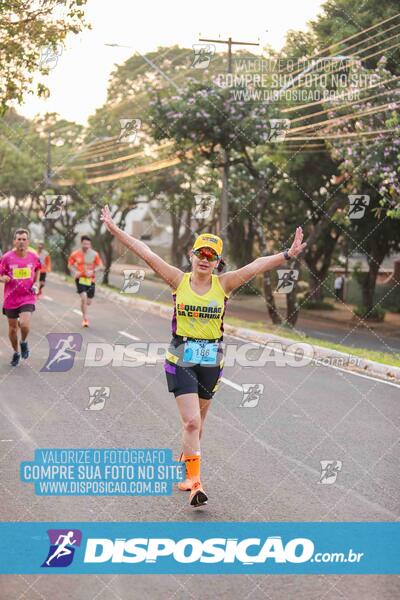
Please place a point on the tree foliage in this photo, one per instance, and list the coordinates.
(29, 32)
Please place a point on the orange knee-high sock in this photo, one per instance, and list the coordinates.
(193, 466)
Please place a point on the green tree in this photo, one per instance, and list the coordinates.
(21, 174)
(385, 239)
(341, 19)
(26, 30)
(370, 166)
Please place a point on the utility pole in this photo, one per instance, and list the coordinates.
(225, 153)
(230, 43)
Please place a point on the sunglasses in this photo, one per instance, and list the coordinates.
(206, 254)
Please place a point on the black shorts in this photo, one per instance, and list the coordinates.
(89, 289)
(13, 313)
(42, 276)
(183, 378)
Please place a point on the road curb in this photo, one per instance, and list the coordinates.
(320, 354)
(327, 356)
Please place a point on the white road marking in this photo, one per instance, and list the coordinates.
(140, 356)
(315, 360)
(77, 312)
(129, 335)
(232, 384)
(47, 298)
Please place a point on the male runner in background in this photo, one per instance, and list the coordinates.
(19, 270)
(83, 265)
(45, 264)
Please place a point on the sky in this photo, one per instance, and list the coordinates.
(78, 82)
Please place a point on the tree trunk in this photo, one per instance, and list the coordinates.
(108, 258)
(376, 253)
(176, 259)
(241, 254)
(65, 227)
(66, 251)
(185, 242)
(318, 258)
(369, 284)
(268, 293)
(269, 298)
(315, 290)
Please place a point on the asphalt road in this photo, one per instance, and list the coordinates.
(260, 463)
(348, 334)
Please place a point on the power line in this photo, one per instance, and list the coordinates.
(338, 97)
(321, 53)
(347, 117)
(112, 161)
(155, 166)
(377, 43)
(336, 108)
(348, 135)
(371, 37)
(382, 50)
(317, 77)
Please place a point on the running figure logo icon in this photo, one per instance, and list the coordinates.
(132, 280)
(54, 206)
(129, 129)
(277, 129)
(358, 204)
(204, 205)
(286, 280)
(62, 350)
(49, 56)
(252, 393)
(203, 54)
(97, 397)
(62, 547)
(329, 471)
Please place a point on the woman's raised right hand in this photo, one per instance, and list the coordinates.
(108, 220)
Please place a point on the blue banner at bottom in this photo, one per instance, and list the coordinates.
(207, 547)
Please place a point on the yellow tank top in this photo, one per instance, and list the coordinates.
(199, 316)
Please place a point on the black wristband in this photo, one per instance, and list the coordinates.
(286, 254)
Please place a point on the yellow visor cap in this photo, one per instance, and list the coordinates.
(209, 240)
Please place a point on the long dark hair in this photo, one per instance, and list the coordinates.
(221, 265)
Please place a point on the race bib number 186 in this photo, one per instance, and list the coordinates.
(200, 352)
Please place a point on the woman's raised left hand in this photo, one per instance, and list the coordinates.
(298, 245)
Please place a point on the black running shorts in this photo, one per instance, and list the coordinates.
(13, 313)
(89, 289)
(184, 378)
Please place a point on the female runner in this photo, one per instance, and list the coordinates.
(194, 359)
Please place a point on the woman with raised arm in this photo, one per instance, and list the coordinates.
(194, 359)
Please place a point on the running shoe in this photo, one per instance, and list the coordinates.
(198, 496)
(186, 485)
(15, 359)
(24, 349)
(85, 323)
